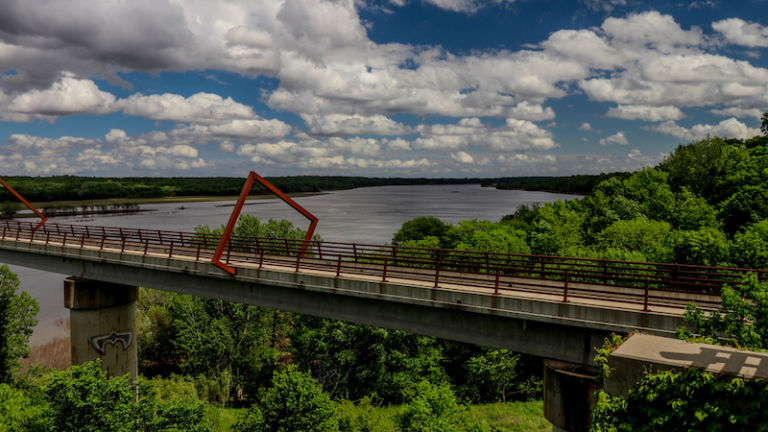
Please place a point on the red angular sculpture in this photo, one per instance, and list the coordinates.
(31, 207)
(252, 177)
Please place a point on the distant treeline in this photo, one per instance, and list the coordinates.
(87, 188)
(575, 184)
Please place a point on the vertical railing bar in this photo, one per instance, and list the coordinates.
(338, 266)
(298, 261)
(354, 251)
(197, 255)
(645, 306)
(437, 269)
(384, 272)
(170, 251)
(261, 259)
(496, 285)
(146, 246)
(565, 287)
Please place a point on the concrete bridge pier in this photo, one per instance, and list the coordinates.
(103, 324)
(569, 395)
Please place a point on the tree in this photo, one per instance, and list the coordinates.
(750, 247)
(17, 318)
(83, 399)
(433, 408)
(294, 402)
(354, 360)
(764, 124)
(649, 237)
(419, 228)
(494, 372)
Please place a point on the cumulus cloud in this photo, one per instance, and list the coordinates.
(342, 124)
(740, 32)
(198, 108)
(618, 138)
(585, 127)
(68, 95)
(516, 135)
(646, 112)
(730, 128)
(465, 6)
(738, 112)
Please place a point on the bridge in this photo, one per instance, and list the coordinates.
(553, 307)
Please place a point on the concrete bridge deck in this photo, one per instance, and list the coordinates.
(558, 319)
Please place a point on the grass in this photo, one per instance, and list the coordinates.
(500, 417)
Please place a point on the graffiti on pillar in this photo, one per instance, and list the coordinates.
(99, 343)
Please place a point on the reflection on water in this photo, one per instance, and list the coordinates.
(365, 215)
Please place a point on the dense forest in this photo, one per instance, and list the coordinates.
(88, 188)
(213, 365)
(72, 188)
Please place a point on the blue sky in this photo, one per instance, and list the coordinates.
(436, 88)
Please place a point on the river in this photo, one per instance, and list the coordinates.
(363, 215)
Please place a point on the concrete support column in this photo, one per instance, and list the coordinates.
(103, 324)
(569, 395)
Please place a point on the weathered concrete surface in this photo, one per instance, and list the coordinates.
(569, 395)
(103, 324)
(541, 327)
(642, 353)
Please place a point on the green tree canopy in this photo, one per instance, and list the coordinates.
(17, 318)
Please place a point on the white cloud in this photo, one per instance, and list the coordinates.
(739, 32)
(68, 95)
(342, 124)
(618, 138)
(585, 127)
(464, 6)
(516, 135)
(738, 112)
(604, 5)
(730, 128)
(463, 157)
(198, 108)
(646, 112)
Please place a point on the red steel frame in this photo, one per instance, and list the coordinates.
(253, 177)
(31, 207)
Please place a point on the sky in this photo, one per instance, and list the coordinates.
(412, 88)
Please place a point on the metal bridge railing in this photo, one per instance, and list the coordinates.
(640, 283)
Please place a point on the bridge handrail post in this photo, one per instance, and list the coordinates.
(122, 244)
(298, 262)
(384, 272)
(18, 232)
(197, 254)
(87, 231)
(4, 228)
(437, 269)
(146, 246)
(394, 255)
(496, 285)
(261, 259)
(565, 286)
(64, 243)
(47, 236)
(354, 251)
(82, 242)
(287, 248)
(101, 246)
(338, 266)
(170, 251)
(319, 250)
(645, 305)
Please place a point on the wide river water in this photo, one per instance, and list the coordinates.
(364, 215)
